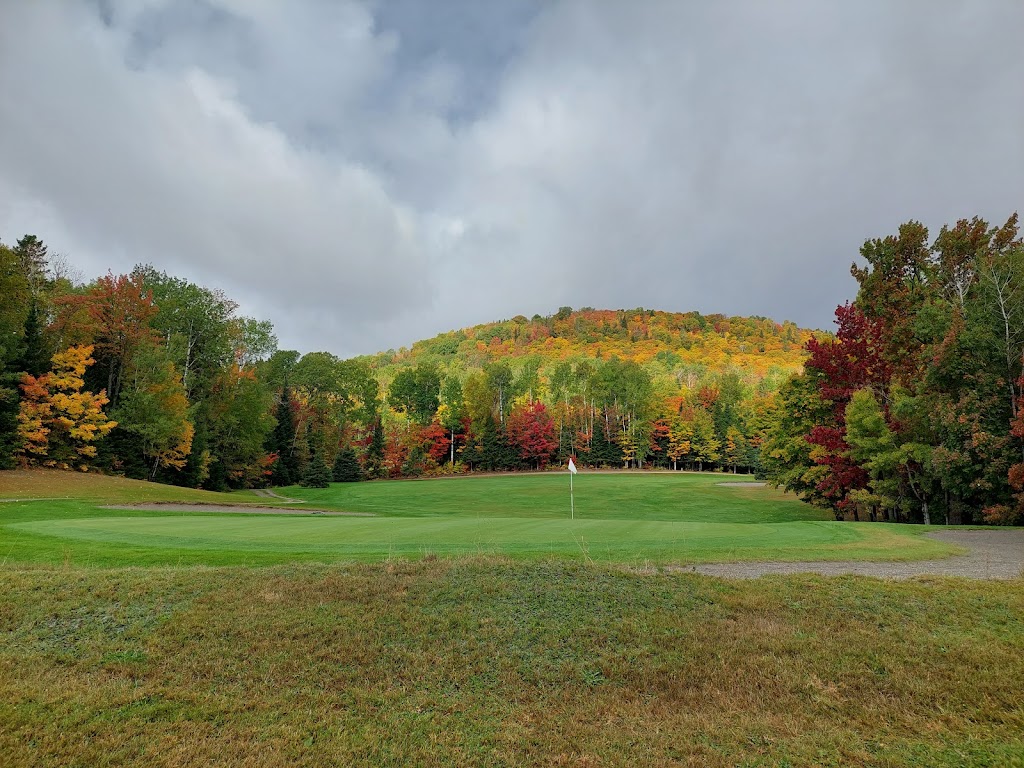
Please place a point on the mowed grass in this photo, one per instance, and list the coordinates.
(533, 653)
(498, 662)
(666, 496)
(663, 518)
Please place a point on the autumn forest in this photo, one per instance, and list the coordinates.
(910, 411)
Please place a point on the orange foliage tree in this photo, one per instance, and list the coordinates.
(58, 423)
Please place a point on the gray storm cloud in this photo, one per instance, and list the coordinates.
(366, 174)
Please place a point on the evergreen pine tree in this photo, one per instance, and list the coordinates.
(346, 467)
(603, 451)
(374, 464)
(495, 451)
(316, 475)
(217, 477)
(284, 471)
(32, 256)
(9, 400)
(197, 466)
(34, 358)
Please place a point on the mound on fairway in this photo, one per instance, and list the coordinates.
(675, 518)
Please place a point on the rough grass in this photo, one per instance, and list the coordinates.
(676, 518)
(494, 662)
(485, 660)
(24, 484)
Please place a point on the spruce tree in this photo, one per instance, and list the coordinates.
(34, 358)
(495, 452)
(9, 400)
(316, 475)
(197, 466)
(375, 453)
(346, 467)
(284, 471)
(32, 256)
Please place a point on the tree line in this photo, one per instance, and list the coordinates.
(914, 411)
(151, 376)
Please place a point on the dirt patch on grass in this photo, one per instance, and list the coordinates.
(245, 510)
(34, 498)
(993, 554)
(266, 493)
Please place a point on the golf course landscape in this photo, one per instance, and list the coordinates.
(627, 518)
(469, 621)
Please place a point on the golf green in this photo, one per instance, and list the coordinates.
(675, 518)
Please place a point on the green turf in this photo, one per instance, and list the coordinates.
(492, 661)
(666, 496)
(488, 662)
(672, 518)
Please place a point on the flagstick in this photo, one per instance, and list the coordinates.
(572, 504)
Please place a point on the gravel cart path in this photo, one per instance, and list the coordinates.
(994, 554)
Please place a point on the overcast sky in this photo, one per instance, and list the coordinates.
(368, 173)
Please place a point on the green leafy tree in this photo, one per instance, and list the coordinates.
(154, 409)
(725, 410)
(895, 283)
(238, 420)
(734, 447)
(416, 392)
(451, 411)
(706, 445)
(500, 379)
(787, 459)
(894, 465)
(680, 438)
(194, 324)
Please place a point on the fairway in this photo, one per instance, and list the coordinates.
(634, 518)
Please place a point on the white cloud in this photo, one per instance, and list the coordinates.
(364, 184)
(168, 166)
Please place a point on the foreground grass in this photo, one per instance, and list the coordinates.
(493, 662)
(60, 518)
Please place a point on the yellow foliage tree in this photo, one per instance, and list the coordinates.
(58, 423)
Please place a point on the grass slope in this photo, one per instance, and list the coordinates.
(490, 662)
(662, 518)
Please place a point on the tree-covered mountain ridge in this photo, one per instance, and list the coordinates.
(691, 344)
(626, 388)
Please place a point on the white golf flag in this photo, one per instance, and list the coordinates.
(572, 467)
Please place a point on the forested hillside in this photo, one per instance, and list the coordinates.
(911, 412)
(612, 388)
(154, 377)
